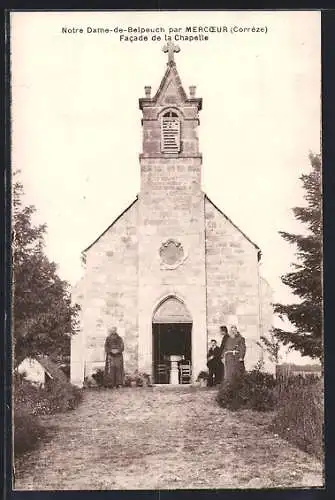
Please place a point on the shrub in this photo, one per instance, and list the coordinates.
(259, 378)
(259, 391)
(45, 400)
(63, 397)
(27, 396)
(229, 396)
(299, 418)
(31, 401)
(66, 369)
(28, 432)
(98, 377)
(297, 401)
(255, 391)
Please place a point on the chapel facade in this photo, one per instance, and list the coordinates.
(172, 267)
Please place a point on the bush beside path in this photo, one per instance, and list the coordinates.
(162, 438)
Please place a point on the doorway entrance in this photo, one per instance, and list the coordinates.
(168, 340)
(171, 341)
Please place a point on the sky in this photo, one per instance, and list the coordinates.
(76, 124)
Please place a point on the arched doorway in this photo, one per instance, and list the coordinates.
(171, 336)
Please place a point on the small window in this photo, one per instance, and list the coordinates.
(170, 133)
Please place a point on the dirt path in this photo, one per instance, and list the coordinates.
(155, 438)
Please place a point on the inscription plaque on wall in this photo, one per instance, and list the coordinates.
(172, 254)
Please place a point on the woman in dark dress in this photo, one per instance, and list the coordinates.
(114, 370)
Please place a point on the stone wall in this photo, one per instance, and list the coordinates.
(171, 96)
(172, 207)
(110, 293)
(232, 280)
(126, 278)
(152, 129)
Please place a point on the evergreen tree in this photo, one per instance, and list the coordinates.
(306, 280)
(43, 317)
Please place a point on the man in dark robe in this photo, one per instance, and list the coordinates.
(232, 387)
(114, 370)
(213, 363)
(225, 336)
(233, 357)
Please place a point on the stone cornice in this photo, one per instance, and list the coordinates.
(152, 102)
(168, 156)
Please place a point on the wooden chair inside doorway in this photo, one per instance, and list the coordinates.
(185, 372)
(162, 373)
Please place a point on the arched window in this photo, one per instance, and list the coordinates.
(170, 133)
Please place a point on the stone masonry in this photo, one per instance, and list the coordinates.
(171, 206)
(233, 282)
(126, 278)
(108, 296)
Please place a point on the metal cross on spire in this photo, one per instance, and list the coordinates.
(171, 48)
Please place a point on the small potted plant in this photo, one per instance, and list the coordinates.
(143, 380)
(137, 379)
(129, 380)
(126, 380)
(202, 378)
(96, 379)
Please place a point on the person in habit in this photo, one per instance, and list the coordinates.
(232, 356)
(224, 337)
(114, 368)
(213, 364)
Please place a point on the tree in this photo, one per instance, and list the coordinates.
(271, 345)
(43, 317)
(306, 281)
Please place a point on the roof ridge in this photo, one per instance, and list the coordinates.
(110, 225)
(228, 218)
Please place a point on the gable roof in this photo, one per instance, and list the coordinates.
(171, 71)
(236, 227)
(206, 197)
(112, 224)
(52, 369)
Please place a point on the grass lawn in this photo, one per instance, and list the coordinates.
(153, 438)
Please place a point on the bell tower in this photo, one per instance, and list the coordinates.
(170, 120)
(171, 210)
